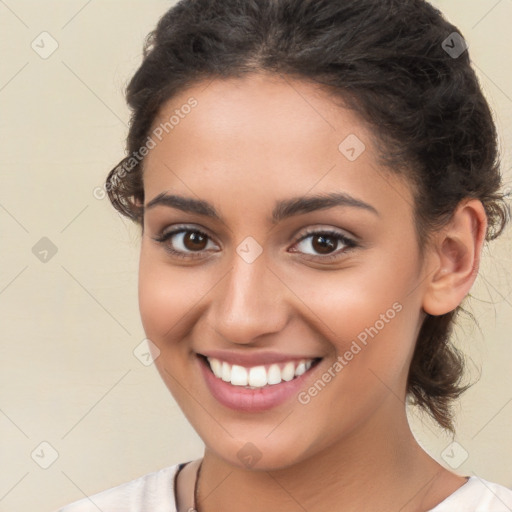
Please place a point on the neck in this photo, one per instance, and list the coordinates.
(387, 471)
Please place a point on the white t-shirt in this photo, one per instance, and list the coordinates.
(155, 492)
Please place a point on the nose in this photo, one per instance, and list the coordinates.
(249, 302)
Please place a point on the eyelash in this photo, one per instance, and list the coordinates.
(348, 242)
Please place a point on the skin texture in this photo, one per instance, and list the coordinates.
(248, 143)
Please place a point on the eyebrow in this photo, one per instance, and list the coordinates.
(283, 209)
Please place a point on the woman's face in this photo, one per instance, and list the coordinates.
(275, 282)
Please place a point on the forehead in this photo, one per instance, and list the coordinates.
(262, 136)
(257, 107)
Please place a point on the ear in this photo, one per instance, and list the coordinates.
(454, 258)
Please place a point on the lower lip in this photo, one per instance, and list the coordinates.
(251, 400)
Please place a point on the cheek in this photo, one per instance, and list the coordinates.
(370, 319)
(167, 296)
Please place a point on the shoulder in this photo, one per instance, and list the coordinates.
(154, 491)
(478, 495)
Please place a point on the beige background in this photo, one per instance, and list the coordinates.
(69, 326)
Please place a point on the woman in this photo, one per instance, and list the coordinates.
(314, 181)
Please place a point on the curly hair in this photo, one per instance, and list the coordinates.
(386, 59)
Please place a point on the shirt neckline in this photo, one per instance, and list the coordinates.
(175, 482)
(454, 494)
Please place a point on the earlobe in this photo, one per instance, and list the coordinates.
(454, 258)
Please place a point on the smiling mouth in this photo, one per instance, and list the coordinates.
(260, 376)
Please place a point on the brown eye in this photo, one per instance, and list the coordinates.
(195, 241)
(184, 243)
(324, 244)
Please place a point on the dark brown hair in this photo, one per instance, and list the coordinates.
(398, 63)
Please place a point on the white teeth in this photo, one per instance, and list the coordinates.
(288, 371)
(226, 372)
(258, 376)
(301, 368)
(274, 374)
(216, 366)
(238, 375)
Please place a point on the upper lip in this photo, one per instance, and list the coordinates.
(254, 359)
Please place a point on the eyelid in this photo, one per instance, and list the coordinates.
(179, 228)
(166, 234)
(327, 229)
(349, 243)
